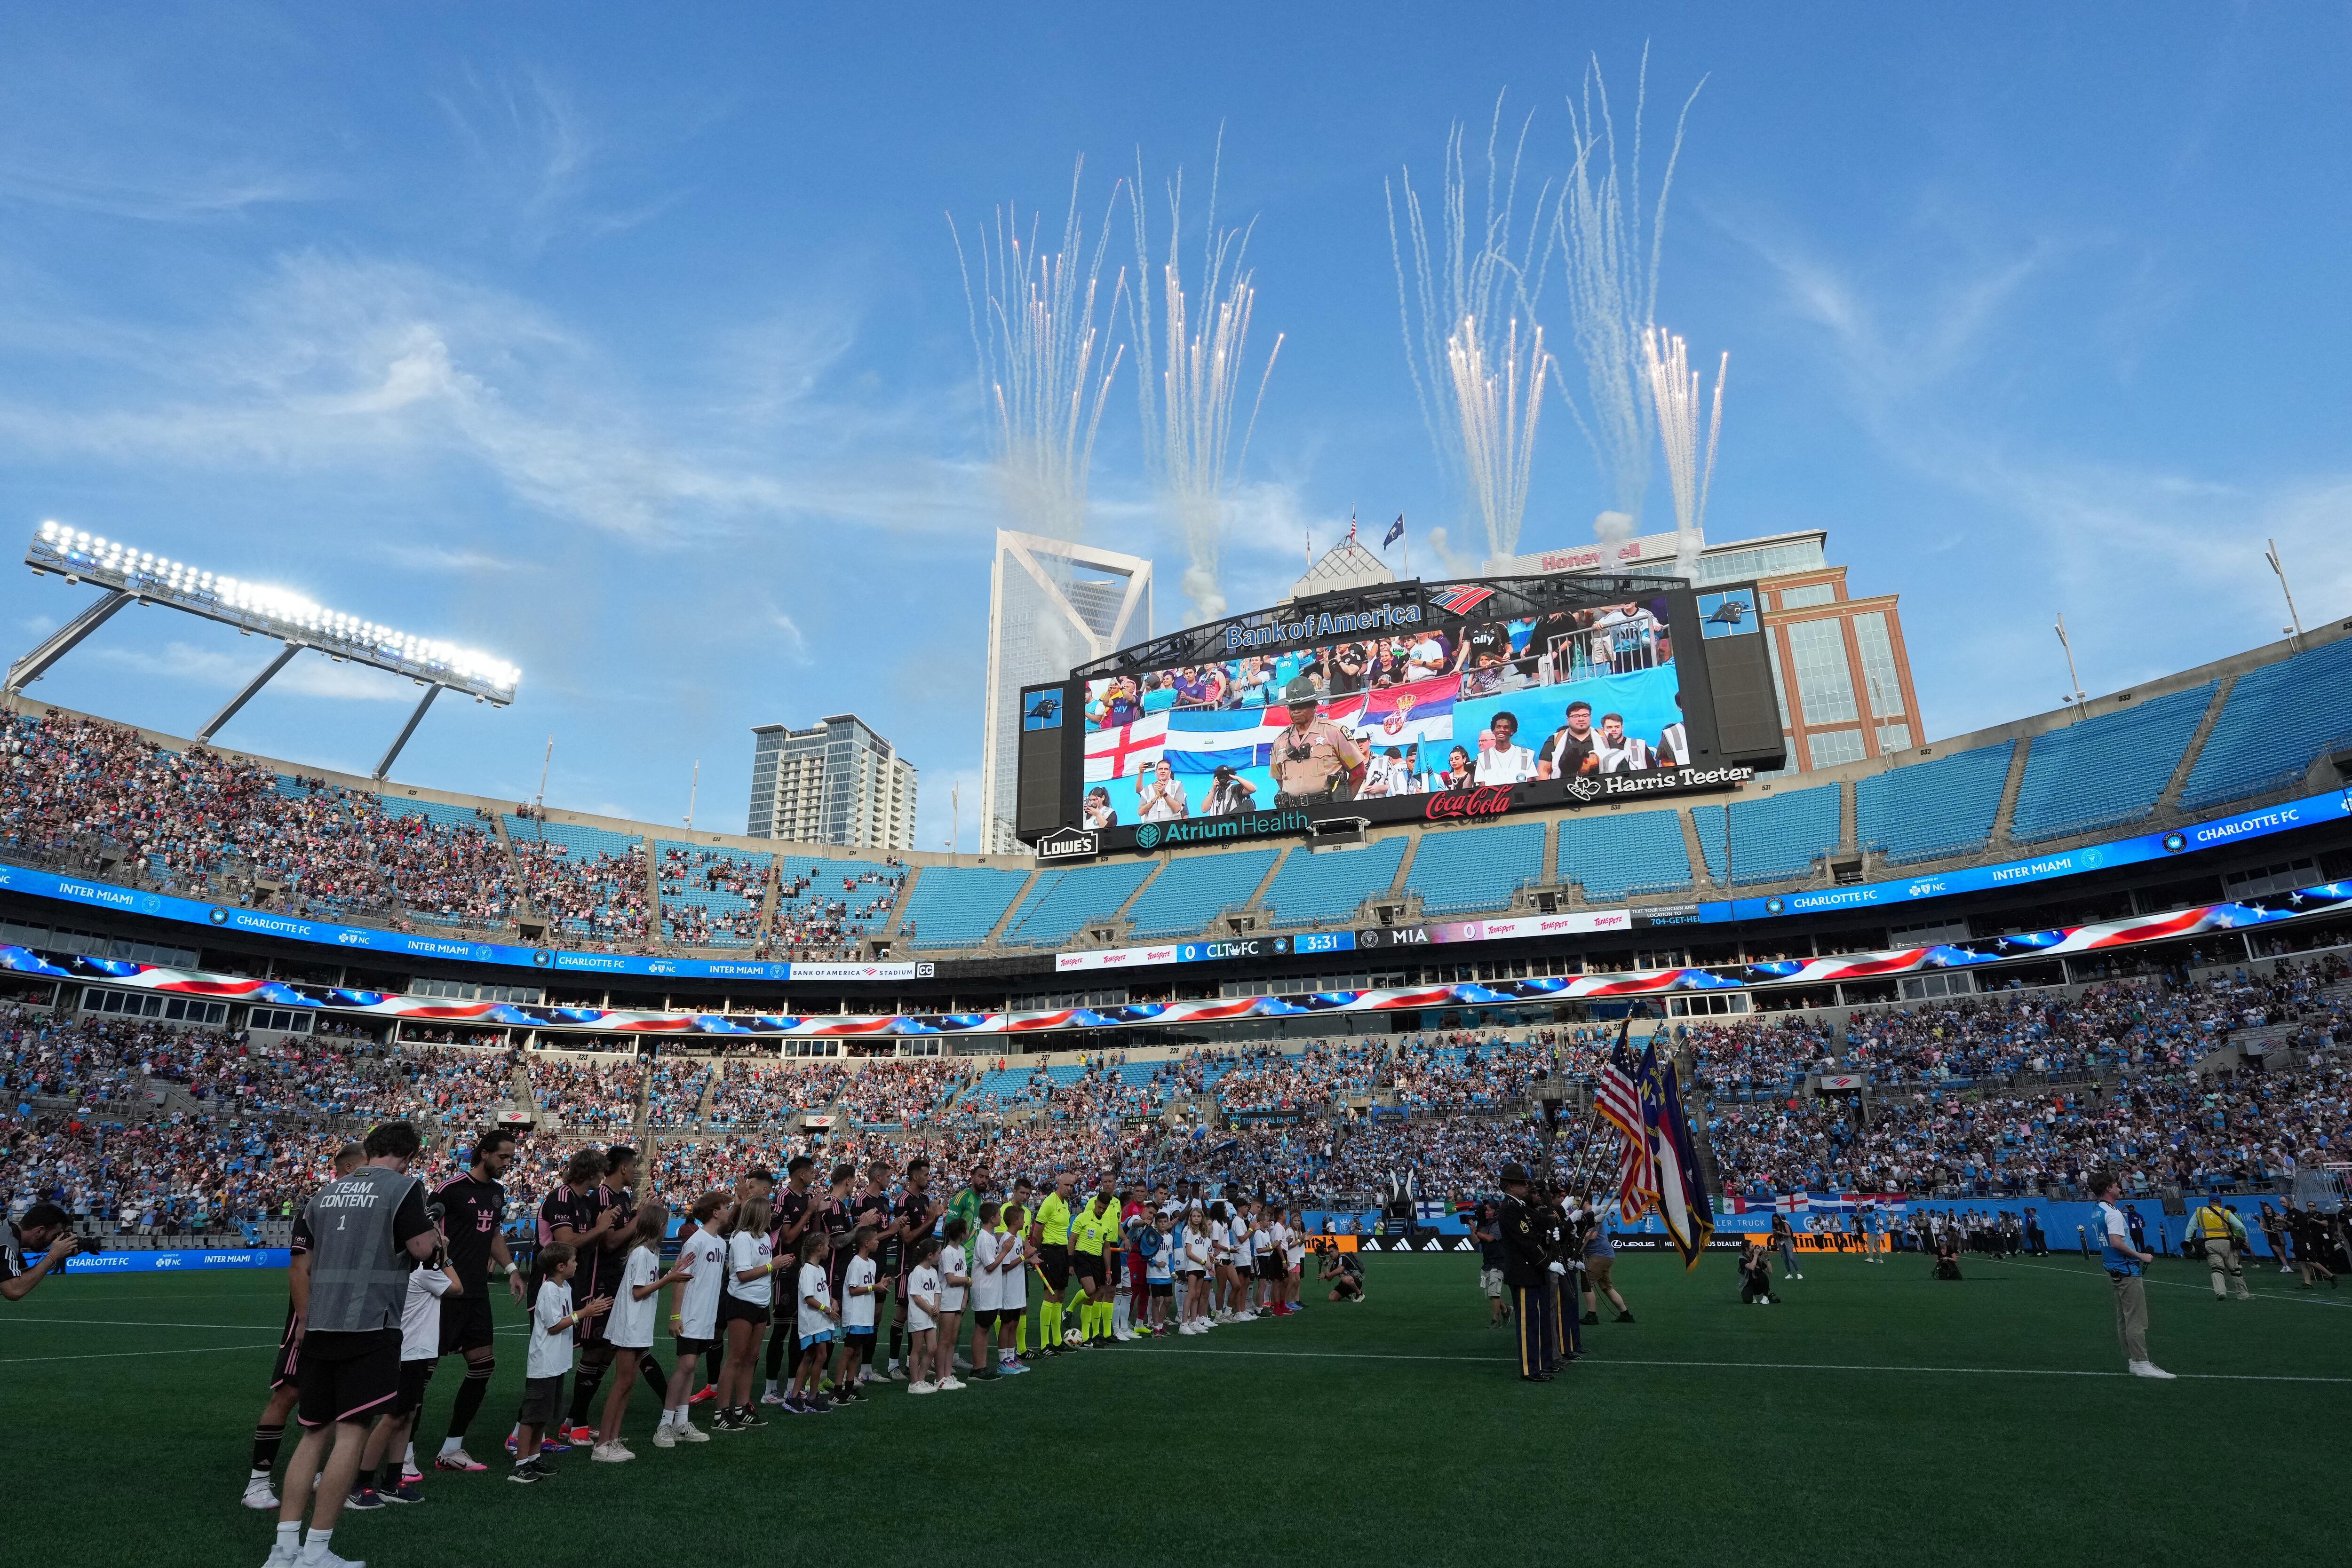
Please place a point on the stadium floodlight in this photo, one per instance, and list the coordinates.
(128, 575)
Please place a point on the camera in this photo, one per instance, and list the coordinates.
(1298, 753)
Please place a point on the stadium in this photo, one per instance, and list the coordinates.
(1434, 1066)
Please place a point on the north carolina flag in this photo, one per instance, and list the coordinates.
(1127, 750)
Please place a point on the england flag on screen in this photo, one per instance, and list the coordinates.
(1127, 749)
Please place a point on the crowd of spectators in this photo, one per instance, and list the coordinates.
(600, 897)
(97, 797)
(583, 1092)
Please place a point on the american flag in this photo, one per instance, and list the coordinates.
(1619, 1099)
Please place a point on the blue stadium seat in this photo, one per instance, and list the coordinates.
(959, 905)
(2277, 719)
(1066, 898)
(1190, 891)
(1932, 810)
(1624, 855)
(1312, 889)
(2105, 769)
(1772, 839)
(1460, 871)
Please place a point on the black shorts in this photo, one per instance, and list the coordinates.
(686, 1347)
(1054, 1262)
(1090, 1268)
(735, 1310)
(1270, 1268)
(1160, 1289)
(347, 1377)
(414, 1375)
(860, 1340)
(540, 1395)
(466, 1321)
(283, 1370)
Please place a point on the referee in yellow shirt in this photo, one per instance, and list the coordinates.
(1089, 1229)
(1051, 1230)
(2223, 1234)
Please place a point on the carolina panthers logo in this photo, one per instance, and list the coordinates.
(1584, 787)
(1146, 835)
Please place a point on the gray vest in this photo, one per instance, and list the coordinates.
(359, 1274)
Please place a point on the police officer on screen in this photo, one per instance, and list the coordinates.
(1528, 1274)
(1315, 760)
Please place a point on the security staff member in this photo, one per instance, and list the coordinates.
(1527, 1274)
(1314, 760)
(2223, 1234)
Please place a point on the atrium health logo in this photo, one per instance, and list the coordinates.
(1146, 835)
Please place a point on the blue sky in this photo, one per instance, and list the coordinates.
(632, 346)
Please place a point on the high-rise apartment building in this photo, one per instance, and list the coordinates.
(837, 782)
(1051, 605)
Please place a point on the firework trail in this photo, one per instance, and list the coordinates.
(1611, 271)
(1033, 335)
(1468, 317)
(1188, 405)
(1690, 465)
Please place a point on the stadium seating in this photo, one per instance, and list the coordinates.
(1462, 871)
(1931, 810)
(710, 897)
(1624, 855)
(958, 906)
(1774, 839)
(1064, 899)
(1188, 893)
(2105, 769)
(1317, 889)
(822, 901)
(2277, 719)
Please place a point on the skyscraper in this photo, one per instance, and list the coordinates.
(837, 782)
(1051, 605)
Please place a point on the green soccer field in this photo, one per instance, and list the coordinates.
(1876, 1415)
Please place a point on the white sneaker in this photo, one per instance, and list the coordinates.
(960, 1363)
(771, 1398)
(922, 1388)
(687, 1432)
(326, 1558)
(281, 1556)
(665, 1436)
(2149, 1369)
(897, 1373)
(948, 1384)
(258, 1493)
(611, 1453)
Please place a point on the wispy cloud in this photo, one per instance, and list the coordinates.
(197, 196)
(335, 363)
(311, 674)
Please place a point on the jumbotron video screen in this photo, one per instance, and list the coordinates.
(1382, 704)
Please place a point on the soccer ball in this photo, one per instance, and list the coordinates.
(1073, 1337)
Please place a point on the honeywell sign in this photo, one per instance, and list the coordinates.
(1649, 549)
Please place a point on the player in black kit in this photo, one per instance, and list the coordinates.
(611, 1210)
(474, 1207)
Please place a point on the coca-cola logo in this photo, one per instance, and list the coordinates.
(1484, 800)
